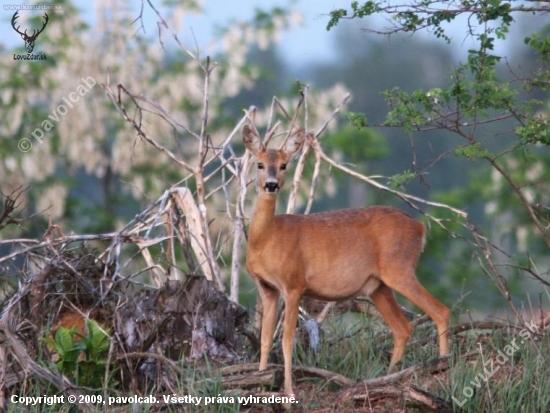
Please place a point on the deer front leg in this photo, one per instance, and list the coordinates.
(270, 301)
(292, 303)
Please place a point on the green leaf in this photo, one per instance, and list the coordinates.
(97, 341)
(472, 151)
(359, 120)
(335, 17)
(398, 181)
(64, 338)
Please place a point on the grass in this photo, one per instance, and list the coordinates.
(516, 383)
(351, 345)
(502, 378)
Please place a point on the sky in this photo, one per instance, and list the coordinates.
(299, 45)
(310, 41)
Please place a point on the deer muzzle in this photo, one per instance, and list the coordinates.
(271, 186)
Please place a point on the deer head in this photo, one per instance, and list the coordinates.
(272, 163)
(29, 40)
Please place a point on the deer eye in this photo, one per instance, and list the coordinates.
(283, 166)
(260, 165)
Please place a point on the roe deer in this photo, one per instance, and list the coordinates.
(332, 256)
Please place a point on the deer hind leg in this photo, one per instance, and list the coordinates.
(270, 301)
(384, 300)
(408, 285)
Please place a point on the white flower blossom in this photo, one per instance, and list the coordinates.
(52, 201)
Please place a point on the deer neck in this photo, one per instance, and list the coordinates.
(264, 216)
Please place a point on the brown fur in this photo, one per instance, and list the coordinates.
(331, 255)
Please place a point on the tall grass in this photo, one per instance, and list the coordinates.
(351, 345)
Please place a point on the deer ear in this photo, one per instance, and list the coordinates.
(294, 143)
(252, 140)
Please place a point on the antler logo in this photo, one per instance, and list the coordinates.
(29, 40)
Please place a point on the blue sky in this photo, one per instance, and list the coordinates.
(310, 42)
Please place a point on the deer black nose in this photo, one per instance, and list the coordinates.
(271, 186)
